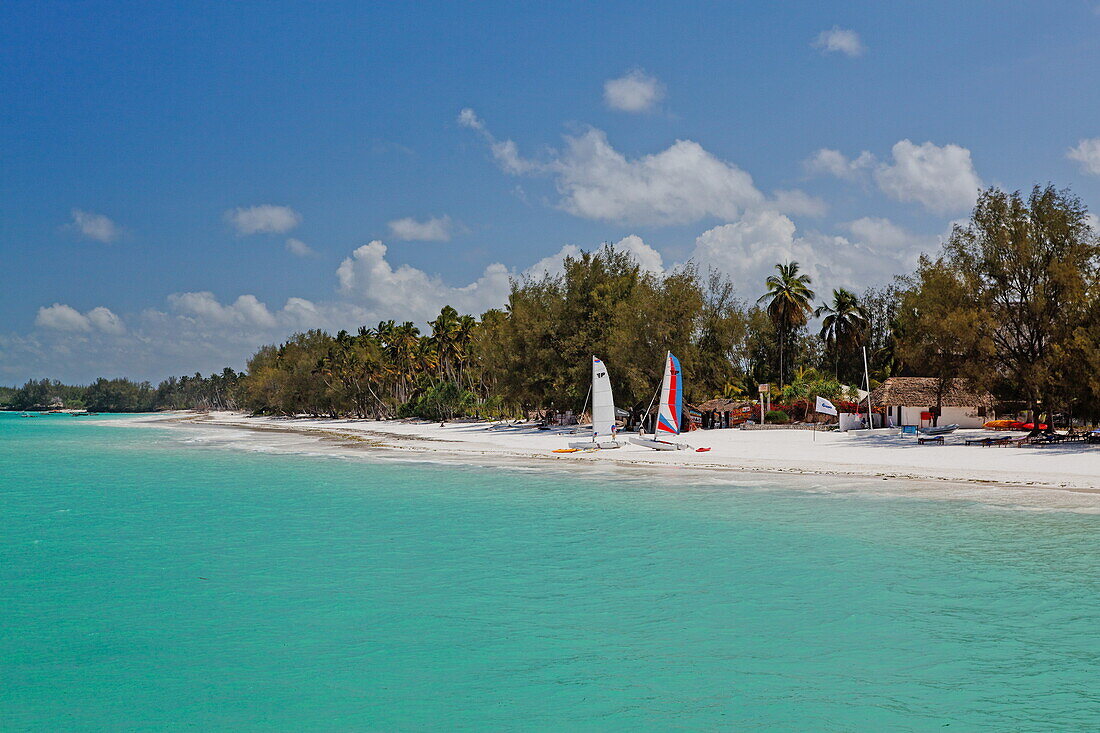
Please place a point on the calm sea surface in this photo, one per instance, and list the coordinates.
(150, 583)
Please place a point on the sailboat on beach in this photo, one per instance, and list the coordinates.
(603, 411)
(669, 410)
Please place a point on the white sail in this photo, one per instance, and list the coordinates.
(603, 403)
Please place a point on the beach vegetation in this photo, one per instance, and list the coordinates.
(789, 304)
(777, 417)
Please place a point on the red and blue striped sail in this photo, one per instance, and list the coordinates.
(672, 398)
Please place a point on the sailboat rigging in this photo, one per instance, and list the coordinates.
(669, 410)
(603, 410)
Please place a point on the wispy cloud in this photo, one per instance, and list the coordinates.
(434, 229)
(839, 40)
(263, 219)
(1087, 153)
(95, 226)
(505, 152)
(835, 163)
(635, 91)
(299, 248)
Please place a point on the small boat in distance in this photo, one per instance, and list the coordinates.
(941, 430)
(669, 410)
(603, 410)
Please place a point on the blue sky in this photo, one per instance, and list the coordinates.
(156, 158)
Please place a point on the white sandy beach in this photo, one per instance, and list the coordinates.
(854, 454)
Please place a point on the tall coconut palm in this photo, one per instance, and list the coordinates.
(445, 329)
(788, 298)
(402, 347)
(844, 327)
(464, 338)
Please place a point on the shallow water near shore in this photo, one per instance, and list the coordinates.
(146, 581)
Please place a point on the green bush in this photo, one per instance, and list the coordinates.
(444, 401)
(777, 417)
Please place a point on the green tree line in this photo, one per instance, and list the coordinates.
(216, 392)
(1011, 303)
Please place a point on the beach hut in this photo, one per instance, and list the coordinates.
(914, 401)
(724, 413)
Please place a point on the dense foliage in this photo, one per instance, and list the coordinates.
(1012, 303)
(218, 391)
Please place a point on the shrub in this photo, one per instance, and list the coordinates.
(777, 417)
(444, 401)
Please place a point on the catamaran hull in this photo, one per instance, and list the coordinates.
(658, 444)
(596, 445)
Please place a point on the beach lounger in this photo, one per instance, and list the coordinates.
(1054, 439)
(989, 441)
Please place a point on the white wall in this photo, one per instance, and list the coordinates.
(964, 417)
(855, 421)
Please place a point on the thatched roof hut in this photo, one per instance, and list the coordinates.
(924, 392)
(722, 404)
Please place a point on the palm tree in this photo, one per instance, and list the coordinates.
(404, 340)
(464, 338)
(845, 325)
(789, 297)
(445, 329)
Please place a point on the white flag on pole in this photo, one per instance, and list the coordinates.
(824, 406)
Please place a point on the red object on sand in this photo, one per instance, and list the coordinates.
(701, 450)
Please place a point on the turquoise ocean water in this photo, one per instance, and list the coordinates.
(146, 582)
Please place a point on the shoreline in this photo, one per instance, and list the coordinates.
(777, 453)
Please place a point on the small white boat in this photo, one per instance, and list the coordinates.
(603, 411)
(940, 430)
(658, 444)
(669, 411)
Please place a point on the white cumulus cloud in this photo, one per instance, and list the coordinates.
(649, 259)
(1087, 153)
(798, 203)
(102, 319)
(95, 226)
(367, 277)
(681, 184)
(247, 310)
(635, 91)
(747, 251)
(433, 229)
(839, 40)
(678, 185)
(61, 317)
(941, 178)
(263, 219)
(884, 234)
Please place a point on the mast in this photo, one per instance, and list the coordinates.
(867, 386)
